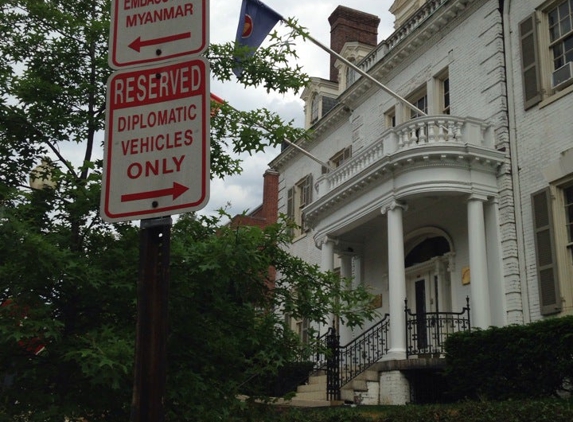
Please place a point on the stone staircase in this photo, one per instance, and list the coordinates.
(363, 389)
(312, 394)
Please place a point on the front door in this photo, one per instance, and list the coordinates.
(428, 292)
(420, 293)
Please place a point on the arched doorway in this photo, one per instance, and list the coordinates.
(428, 283)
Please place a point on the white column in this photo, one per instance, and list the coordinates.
(397, 280)
(327, 255)
(345, 272)
(479, 285)
(327, 264)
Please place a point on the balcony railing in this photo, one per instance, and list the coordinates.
(419, 134)
(426, 332)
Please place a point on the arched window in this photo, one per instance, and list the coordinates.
(427, 249)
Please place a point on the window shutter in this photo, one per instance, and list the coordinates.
(530, 61)
(306, 198)
(290, 203)
(290, 208)
(549, 294)
(308, 195)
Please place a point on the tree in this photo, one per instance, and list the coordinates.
(68, 280)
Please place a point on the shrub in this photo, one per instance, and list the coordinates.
(513, 362)
(550, 410)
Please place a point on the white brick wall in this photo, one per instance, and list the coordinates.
(472, 48)
(542, 134)
(394, 388)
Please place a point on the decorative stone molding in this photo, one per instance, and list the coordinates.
(392, 206)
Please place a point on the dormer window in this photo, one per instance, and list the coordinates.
(315, 108)
(319, 97)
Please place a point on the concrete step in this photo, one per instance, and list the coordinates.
(311, 395)
(310, 388)
(309, 403)
(317, 379)
(296, 402)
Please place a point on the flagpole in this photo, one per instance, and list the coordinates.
(302, 150)
(309, 155)
(357, 69)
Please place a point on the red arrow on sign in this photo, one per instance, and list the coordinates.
(138, 43)
(176, 190)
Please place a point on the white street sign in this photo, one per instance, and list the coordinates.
(156, 160)
(148, 31)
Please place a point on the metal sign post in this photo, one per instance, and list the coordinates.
(152, 322)
(156, 158)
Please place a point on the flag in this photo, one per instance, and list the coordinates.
(256, 21)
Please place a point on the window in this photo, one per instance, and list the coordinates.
(420, 100)
(440, 99)
(560, 20)
(445, 97)
(546, 39)
(390, 118)
(314, 111)
(299, 196)
(547, 275)
(568, 201)
(339, 158)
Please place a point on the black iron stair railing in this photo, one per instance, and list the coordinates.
(344, 363)
(320, 353)
(426, 332)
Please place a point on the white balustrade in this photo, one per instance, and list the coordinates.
(427, 131)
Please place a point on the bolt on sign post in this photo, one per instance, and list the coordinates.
(156, 157)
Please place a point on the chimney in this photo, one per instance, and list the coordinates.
(350, 25)
(270, 196)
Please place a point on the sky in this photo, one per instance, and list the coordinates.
(244, 192)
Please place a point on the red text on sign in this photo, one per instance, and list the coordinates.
(155, 167)
(149, 87)
(156, 118)
(157, 143)
(160, 15)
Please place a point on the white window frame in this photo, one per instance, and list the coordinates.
(445, 94)
(564, 16)
(420, 99)
(390, 118)
(563, 239)
(298, 197)
(315, 108)
(536, 49)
